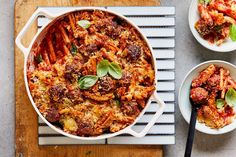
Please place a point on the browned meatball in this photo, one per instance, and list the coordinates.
(134, 52)
(84, 128)
(72, 72)
(106, 84)
(125, 80)
(198, 95)
(56, 93)
(75, 96)
(52, 114)
(130, 108)
(88, 50)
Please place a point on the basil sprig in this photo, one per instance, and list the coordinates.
(102, 68)
(112, 68)
(230, 97)
(232, 32)
(204, 1)
(84, 24)
(87, 81)
(220, 103)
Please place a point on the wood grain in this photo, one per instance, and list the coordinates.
(26, 118)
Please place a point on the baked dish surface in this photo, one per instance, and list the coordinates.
(92, 73)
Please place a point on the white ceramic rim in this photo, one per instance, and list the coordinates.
(227, 46)
(183, 110)
(26, 51)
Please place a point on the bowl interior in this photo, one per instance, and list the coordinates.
(184, 103)
(227, 46)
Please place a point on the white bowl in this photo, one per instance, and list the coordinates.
(193, 17)
(184, 103)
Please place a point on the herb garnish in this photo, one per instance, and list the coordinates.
(84, 24)
(220, 103)
(204, 1)
(112, 68)
(102, 68)
(87, 81)
(230, 97)
(73, 50)
(232, 32)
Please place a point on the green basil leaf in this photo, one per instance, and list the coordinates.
(87, 81)
(220, 103)
(232, 32)
(117, 103)
(39, 58)
(84, 24)
(204, 1)
(114, 70)
(102, 68)
(230, 97)
(73, 50)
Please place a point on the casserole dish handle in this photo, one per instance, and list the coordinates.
(160, 109)
(32, 19)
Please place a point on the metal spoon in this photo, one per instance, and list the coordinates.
(191, 130)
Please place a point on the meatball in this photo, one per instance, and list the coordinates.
(125, 80)
(75, 96)
(88, 50)
(106, 84)
(134, 52)
(84, 128)
(130, 108)
(52, 115)
(198, 95)
(57, 92)
(202, 28)
(113, 31)
(72, 72)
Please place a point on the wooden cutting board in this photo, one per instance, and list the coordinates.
(26, 129)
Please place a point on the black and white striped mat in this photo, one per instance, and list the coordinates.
(158, 24)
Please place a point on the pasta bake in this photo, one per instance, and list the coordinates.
(92, 73)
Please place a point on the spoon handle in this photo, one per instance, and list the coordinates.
(191, 131)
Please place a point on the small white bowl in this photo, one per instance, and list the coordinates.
(193, 17)
(184, 103)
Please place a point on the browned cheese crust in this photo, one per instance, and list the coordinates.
(54, 68)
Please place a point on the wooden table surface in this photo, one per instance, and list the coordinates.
(26, 118)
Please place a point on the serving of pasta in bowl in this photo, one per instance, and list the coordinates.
(213, 24)
(90, 73)
(212, 85)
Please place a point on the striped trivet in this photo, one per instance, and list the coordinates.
(158, 24)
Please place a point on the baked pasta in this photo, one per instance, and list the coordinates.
(214, 90)
(216, 18)
(92, 73)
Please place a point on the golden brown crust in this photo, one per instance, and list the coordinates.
(69, 52)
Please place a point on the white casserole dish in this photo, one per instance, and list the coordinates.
(37, 38)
